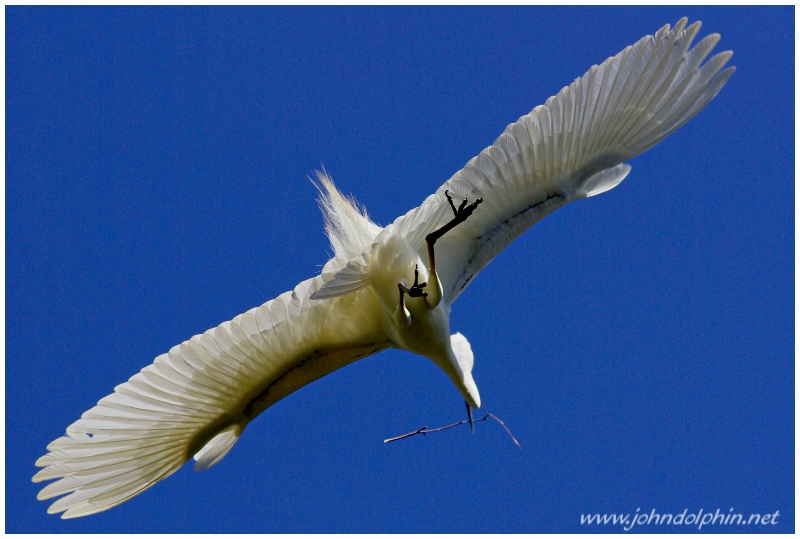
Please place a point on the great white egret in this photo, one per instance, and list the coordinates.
(196, 400)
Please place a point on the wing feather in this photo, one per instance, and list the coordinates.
(571, 147)
(352, 277)
(198, 398)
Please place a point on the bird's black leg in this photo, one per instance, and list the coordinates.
(460, 215)
(469, 414)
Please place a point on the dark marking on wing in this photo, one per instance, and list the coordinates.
(491, 233)
(252, 405)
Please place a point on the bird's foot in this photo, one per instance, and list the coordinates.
(460, 214)
(463, 210)
(415, 291)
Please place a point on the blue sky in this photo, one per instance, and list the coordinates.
(639, 344)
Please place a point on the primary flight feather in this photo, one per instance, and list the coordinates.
(384, 287)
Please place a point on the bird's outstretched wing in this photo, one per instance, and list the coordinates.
(197, 399)
(571, 147)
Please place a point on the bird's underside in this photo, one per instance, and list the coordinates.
(384, 287)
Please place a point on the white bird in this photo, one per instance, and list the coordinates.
(196, 400)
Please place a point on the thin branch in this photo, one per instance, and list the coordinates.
(418, 431)
(425, 430)
(504, 426)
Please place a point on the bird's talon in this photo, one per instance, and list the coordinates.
(450, 200)
(416, 290)
(463, 211)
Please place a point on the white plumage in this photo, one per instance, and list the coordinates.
(196, 400)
